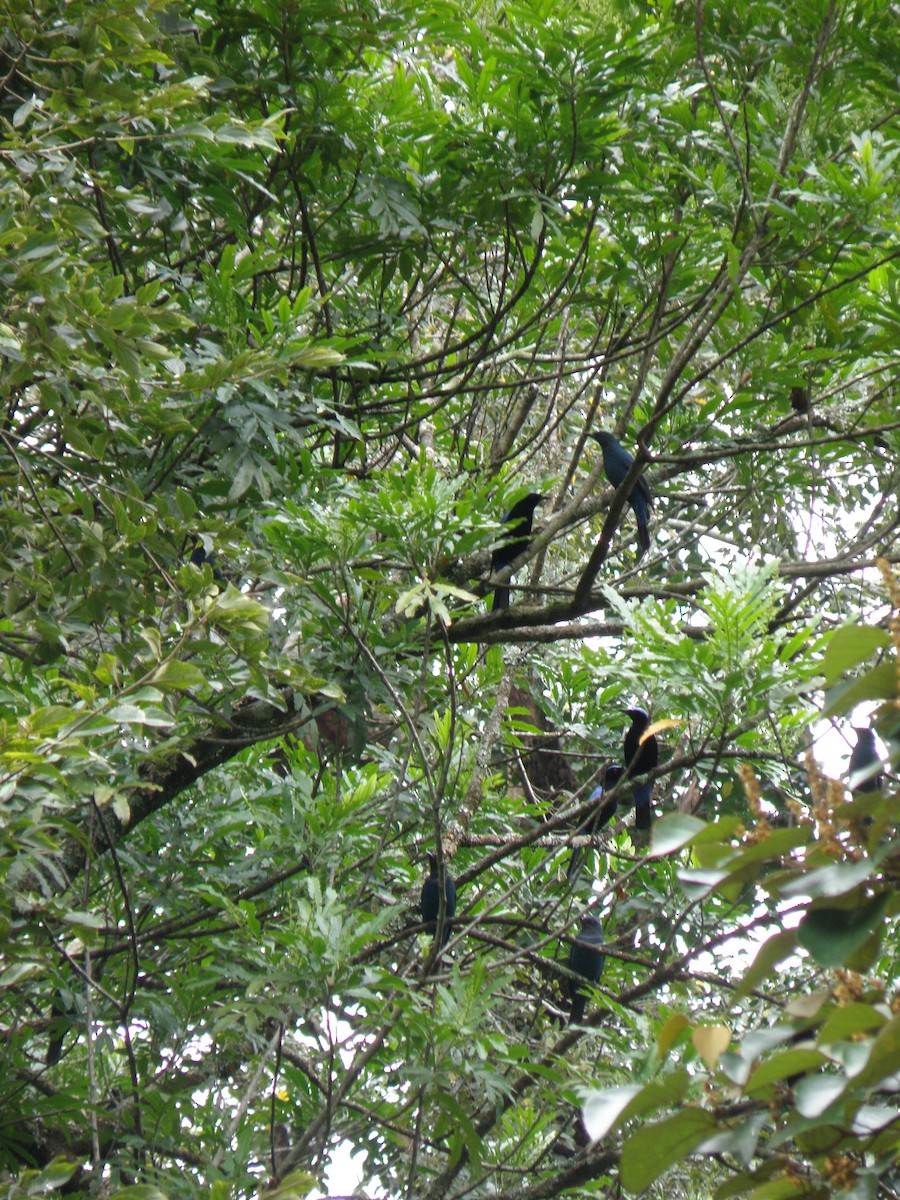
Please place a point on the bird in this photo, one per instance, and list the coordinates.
(865, 767)
(199, 557)
(600, 816)
(515, 541)
(640, 757)
(431, 899)
(616, 465)
(800, 398)
(586, 958)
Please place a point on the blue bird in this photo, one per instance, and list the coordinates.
(640, 758)
(515, 541)
(616, 465)
(431, 899)
(586, 958)
(601, 815)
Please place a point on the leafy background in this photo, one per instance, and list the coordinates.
(323, 288)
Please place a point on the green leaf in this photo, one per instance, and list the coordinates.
(849, 646)
(878, 684)
(773, 951)
(740, 1142)
(83, 920)
(53, 1176)
(131, 714)
(869, 1118)
(884, 1059)
(850, 1020)
(463, 1126)
(601, 1111)
(44, 722)
(670, 1032)
(237, 611)
(835, 880)
(607, 1108)
(19, 972)
(674, 831)
(815, 1094)
(782, 1066)
(295, 1186)
(179, 676)
(656, 1147)
(832, 934)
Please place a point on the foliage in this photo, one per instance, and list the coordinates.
(296, 300)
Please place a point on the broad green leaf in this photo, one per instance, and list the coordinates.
(832, 934)
(179, 676)
(832, 881)
(884, 1059)
(659, 1145)
(601, 1111)
(668, 1035)
(740, 1142)
(850, 1020)
(781, 1067)
(19, 972)
(605, 1109)
(849, 646)
(773, 951)
(673, 832)
(806, 1006)
(814, 1094)
(880, 683)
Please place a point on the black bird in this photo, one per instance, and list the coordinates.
(640, 758)
(800, 399)
(515, 541)
(616, 465)
(586, 958)
(431, 899)
(199, 557)
(865, 766)
(602, 814)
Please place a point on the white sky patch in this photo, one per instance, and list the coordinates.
(345, 1173)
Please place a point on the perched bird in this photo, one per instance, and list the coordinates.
(640, 758)
(864, 770)
(616, 464)
(601, 815)
(515, 541)
(800, 399)
(199, 557)
(586, 958)
(431, 898)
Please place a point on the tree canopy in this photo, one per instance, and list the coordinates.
(298, 300)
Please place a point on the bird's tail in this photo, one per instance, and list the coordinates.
(642, 517)
(573, 862)
(643, 816)
(643, 538)
(579, 1001)
(641, 510)
(501, 598)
